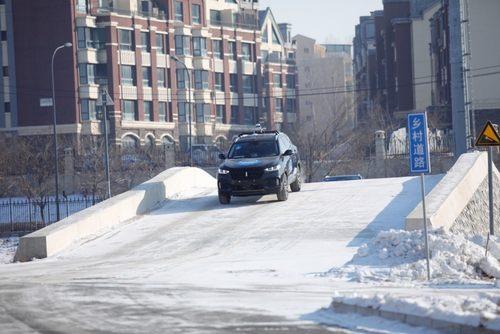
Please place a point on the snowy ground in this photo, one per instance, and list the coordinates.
(462, 289)
(8, 248)
(197, 267)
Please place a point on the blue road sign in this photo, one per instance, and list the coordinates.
(420, 161)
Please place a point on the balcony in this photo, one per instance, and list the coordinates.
(201, 63)
(161, 60)
(115, 8)
(238, 21)
(146, 58)
(126, 57)
(90, 91)
(164, 94)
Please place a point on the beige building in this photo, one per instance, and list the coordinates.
(325, 86)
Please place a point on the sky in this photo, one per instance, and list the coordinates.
(327, 21)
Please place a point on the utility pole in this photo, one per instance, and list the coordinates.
(460, 120)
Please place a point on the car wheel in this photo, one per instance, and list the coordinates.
(224, 198)
(283, 193)
(297, 184)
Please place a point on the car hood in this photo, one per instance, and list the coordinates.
(251, 163)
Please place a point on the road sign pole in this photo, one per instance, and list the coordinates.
(490, 190)
(420, 163)
(427, 253)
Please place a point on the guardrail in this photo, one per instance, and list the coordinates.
(26, 215)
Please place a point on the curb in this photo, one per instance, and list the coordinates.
(410, 319)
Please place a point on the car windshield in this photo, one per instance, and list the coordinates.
(254, 149)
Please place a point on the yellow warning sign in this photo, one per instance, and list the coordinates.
(489, 136)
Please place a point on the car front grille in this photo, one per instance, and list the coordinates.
(247, 174)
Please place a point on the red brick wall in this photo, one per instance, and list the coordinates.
(40, 26)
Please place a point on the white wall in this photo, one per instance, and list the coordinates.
(485, 52)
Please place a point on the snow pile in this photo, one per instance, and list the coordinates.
(8, 247)
(396, 256)
(473, 310)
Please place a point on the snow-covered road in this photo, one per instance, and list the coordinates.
(196, 266)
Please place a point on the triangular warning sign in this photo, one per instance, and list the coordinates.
(489, 136)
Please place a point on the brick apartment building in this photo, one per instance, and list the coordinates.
(383, 58)
(242, 65)
(418, 55)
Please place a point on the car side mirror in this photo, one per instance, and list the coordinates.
(222, 156)
(288, 153)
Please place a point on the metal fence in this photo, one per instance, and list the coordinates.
(24, 215)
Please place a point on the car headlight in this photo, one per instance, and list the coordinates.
(273, 168)
(223, 171)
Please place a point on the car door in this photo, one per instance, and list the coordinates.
(294, 158)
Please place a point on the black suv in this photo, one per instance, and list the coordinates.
(259, 163)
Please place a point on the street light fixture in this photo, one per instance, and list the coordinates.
(190, 109)
(56, 155)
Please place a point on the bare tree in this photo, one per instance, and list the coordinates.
(90, 167)
(34, 167)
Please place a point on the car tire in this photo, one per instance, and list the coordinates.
(297, 184)
(283, 193)
(224, 198)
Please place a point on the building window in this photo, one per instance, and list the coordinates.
(160, 43)
(215, 17)
(200, 79)
(203, 114)
(249, 84)
(234, 114)
(146, 76)
(265, 55)
(249, 116)
(231, 50)
(149, 142)
(265, 36)
(5, 71)
(92, 38)
(276, 39)
(162, 111)
(182, 78)
(290, 81)
(145, 42)
(233, 82)
(129, 110)
(148, 111)
(199, 47)
(88, 110)
(220, 114)
(81, 6)
(125, 39)
(129, 143)
(183, 111)
(196, 14)
(219, 82)
(182, 45)
(179, 11)
(246, 50)
(217, 49)
(161, 79)
(277, 80)
(290, 106)
(278, 105)
(86, 73)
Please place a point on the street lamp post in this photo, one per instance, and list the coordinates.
(56, 155)
(190, 109)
